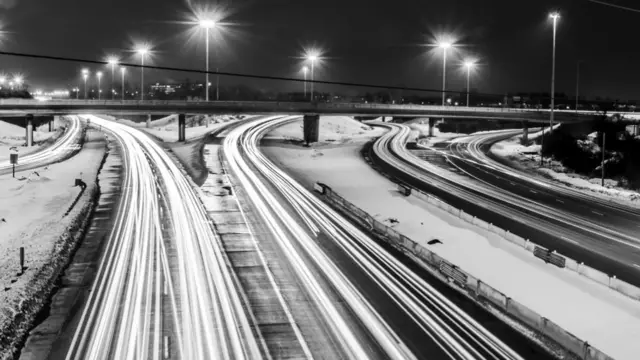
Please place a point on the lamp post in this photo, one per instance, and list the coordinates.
(555, 17)
(85, 76)
(207, 24)
(99, 75)
(123, 70)
(142, 51)
(313, 58)
(305, 70)
(444, 46)
(113, 62)
(468, 64)
(18, 80)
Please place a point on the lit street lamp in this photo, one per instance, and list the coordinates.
(113, 61)
(444, 46)
(313, 58)
(469, 64)
(85, 76)
(207, 24)
(555, 17)
(142, 51)
(123, 70)
(99, 75)
(18, 80)
(305, 70)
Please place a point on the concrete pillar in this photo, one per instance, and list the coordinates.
(182, 127)
(29, 128)
(432, 123)
(148, 121)
(56, 120)
(525, 132)
(311, 128)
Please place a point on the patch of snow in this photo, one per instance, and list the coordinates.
(333, 129)
(608, 320)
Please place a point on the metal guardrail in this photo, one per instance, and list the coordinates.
(452, 272)
(549, 256)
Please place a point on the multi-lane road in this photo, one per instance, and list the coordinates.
(598, 233)
(64, 147)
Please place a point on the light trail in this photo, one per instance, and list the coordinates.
(123, 316)
(63, 146)
(452, 330)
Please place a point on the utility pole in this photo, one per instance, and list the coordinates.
(541, 146)
(577, 84)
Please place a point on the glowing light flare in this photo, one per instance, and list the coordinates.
(113, 61)
(554, 15)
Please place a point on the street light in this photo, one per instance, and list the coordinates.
(85, 76)
(207, 24)
(113, 61)
(469, 64)
(313, 57)
(444, 46)
(142, 50)
(555, 17)
(18, 80)
(305, 70)
(99, 75)
(123, 70)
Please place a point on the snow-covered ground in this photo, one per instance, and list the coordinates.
(167, 128)
(607, 319)
(333, 130)
(527, 158)
(14, 135)
(31, 216)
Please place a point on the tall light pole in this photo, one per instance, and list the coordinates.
(99, 75)
(123, 70)
(207, 24)
(85, 76)
(468, 64)
(555, 17)
(444, 46)
(305, 70)
(313, 58)
(142, 51)
(113, 61)
(577, 84)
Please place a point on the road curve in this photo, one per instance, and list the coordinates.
(522, 206)
(402, 315)
(65, 146)
(145, 304)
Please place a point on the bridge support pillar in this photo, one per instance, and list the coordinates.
(432, 123)
(182, 127)
(29, 128)
(148, 121)
(311, 128)
(525, 132)
(56, 120)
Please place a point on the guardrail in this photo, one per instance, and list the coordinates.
(464, 282)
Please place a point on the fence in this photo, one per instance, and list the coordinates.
(466, 282)
(551, 257)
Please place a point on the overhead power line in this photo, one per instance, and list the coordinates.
(614, 5)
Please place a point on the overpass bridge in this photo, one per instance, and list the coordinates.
(29, 108)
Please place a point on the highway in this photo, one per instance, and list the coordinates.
(389, 308)
(64, 147)
(602, 235)
(163, 287)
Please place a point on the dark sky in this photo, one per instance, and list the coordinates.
(369, 41)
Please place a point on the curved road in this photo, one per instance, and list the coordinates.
(65, 146)
(588, 230)
(401, 314)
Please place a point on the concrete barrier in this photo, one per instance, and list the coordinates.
(625, 288)
(524, 314)
(529, 246)
(571, 264)
(515, 239)
(494, 296)
(593, 274)
(480, 223)
(564, 338)
(394, 235)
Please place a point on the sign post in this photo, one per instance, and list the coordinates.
(14, 160)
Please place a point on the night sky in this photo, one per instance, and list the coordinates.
(368, 41)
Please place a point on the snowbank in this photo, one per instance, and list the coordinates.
(333, 129)
(607, 319)
(33, 209)
(12, 135)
